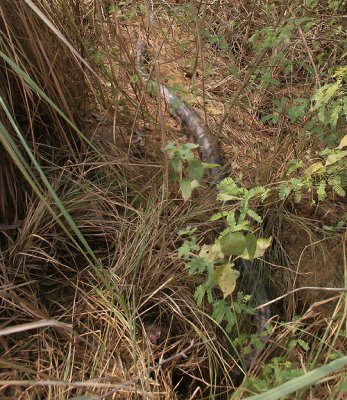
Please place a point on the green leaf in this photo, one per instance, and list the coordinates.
(233, 244)
(176, 165)
(254, 215)
(303, 344)
(301, 382)
(251, 245)
(225, 278)
(199, 294)
(187, 247)
(321, 192)
(219, 310)
(190, 146)
(186, 189)
(195, 169)
(187, 231)
(170, 148)
(194, 184)
(218, 216)
(207, 165)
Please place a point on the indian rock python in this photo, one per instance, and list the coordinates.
(209, 153)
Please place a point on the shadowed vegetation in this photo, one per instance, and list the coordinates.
(96, 300)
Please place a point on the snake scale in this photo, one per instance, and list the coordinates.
(209, 152)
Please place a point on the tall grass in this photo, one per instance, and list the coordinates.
(88, 229)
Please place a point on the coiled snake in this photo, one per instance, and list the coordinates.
(209, 152)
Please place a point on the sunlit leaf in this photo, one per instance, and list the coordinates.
(335, 157)
(211, 253)
(194, 184)
(207, 165)
(225, 278)
(343, 143)
(262, 245)
(313, 168)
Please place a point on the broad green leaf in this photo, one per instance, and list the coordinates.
(195, 169)
(233, 244)
(313, 168)
(343, 143)
(170, 148)
(225, 278)
(190, 146)
(251, 245)
(176, 165)
(186, 189)
(335, 157)
(308, 379)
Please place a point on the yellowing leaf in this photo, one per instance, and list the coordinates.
(225, 277)
(186, 189)
(335, 157)
(194, 184)
(262, 245)
(313, 168)
(211, 253)
(233, 244)
(343, 143)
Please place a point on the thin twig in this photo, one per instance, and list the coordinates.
(254, 64)
(43, 323)
(308, 50)
(162, 361)
(323, 289)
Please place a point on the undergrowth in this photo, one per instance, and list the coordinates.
(117, 282)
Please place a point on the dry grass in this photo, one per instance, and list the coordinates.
(99, 301)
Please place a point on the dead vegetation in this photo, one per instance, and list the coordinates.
(95, 250)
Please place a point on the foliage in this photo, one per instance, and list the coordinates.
(217, 261)
(317, 178)
(188, 171)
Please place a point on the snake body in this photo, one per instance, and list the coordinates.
(209, 152)
(193, 124)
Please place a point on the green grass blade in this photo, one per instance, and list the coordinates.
(24, 168)
(40, 92)
(302, 381)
